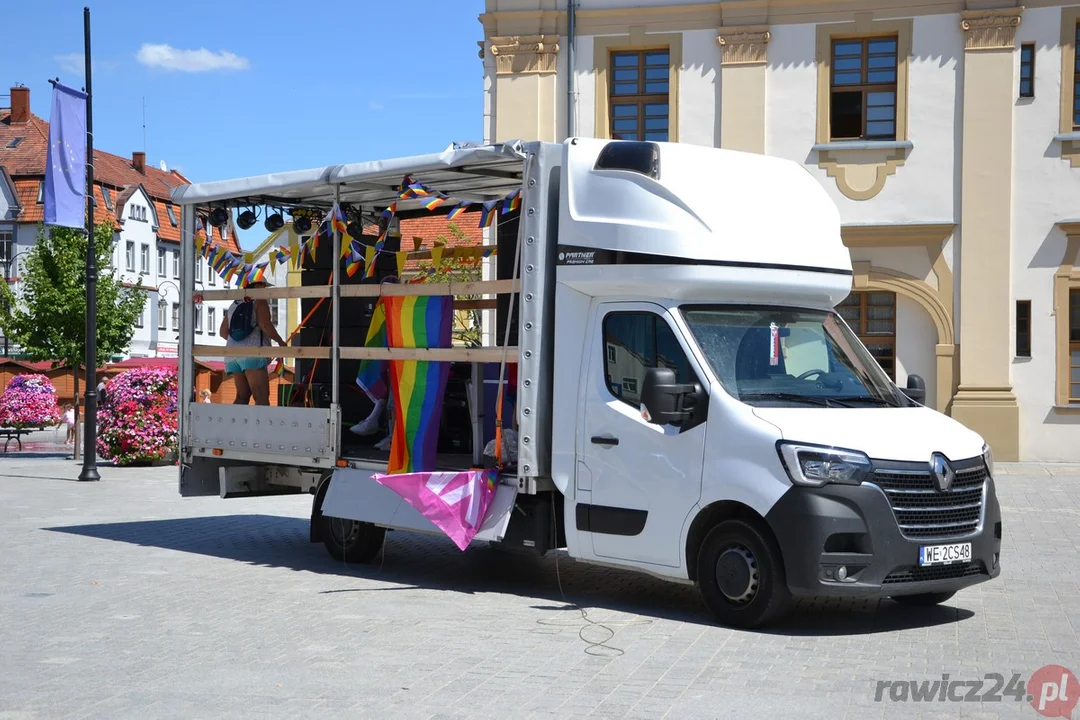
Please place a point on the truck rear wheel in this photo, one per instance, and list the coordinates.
(351, 540)
(741, 575)
(923, 599)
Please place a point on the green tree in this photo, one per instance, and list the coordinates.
(467, 323)
(48, 320)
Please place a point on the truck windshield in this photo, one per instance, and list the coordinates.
(777, 357)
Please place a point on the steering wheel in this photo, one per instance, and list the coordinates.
(808, 373)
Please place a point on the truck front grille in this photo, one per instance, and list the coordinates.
(929, 574)
(923, 511)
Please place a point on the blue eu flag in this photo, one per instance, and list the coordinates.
(65, 168)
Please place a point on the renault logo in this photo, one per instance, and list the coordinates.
(942, 471)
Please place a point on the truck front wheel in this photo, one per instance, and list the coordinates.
(741, 575)
(351, 540)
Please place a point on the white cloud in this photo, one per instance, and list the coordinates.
(201, 60)
(76, 63)
(376, 105)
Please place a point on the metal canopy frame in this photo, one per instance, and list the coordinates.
(473, 174)
(470, 174)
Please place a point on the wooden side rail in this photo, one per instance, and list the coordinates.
(482, 287)
(451, 354)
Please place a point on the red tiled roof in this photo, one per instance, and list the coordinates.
(437, 227)
(28, 158)
(25, 163)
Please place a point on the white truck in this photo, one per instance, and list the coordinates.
(689, 403)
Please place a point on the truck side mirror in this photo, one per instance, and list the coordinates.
(664, 401)
(916, 389)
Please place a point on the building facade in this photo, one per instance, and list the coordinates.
(135, 197)
(947, 133)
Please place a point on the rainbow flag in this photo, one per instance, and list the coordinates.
(337, 220)
(370, 375)
(434, 201)
(354, 263)
(487, 213)
(417, 385)
(511, 202)
(458, 209)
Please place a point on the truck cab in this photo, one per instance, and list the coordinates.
(705, 382)
(688, 401)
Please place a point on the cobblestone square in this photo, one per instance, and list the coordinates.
(123, 600)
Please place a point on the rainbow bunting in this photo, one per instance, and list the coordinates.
(388, 211)
(487, 214)
(337, 220)
(353, 265)
(511, 202)
(434, 201)
(369, 261)
(417, 385)
(460, 208)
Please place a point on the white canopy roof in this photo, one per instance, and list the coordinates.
(466, 172)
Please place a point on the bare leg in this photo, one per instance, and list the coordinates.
(259, 382)
(243, 390)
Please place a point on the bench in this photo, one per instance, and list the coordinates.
(15, 434)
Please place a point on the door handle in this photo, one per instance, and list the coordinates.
(603, 440)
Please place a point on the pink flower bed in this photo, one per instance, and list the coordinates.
(29, 401)
(138, 421)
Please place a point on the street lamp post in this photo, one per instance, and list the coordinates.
(7, 260)
(163, 303)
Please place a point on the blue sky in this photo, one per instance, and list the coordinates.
(242, 87)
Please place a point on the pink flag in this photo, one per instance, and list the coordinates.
(455, 502)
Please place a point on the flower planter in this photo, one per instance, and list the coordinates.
(137, 425)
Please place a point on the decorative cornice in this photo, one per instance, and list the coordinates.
(1071, 228)
(990, 29)
(900, 235)
(525, 54)
(743, 45)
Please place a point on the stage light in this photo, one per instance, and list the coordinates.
(246, 219)
(219, 216)
(301, 224)
(274, 222)
(355, 229)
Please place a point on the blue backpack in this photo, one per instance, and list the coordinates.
(242, 321)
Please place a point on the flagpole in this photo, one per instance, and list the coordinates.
(89, 470)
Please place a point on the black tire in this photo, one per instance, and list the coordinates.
(351, 540)
(923, 599)
(740, 573)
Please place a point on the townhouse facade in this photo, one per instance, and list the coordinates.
(947, 133)
(135, 197)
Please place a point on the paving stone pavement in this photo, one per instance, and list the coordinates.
(121, 599)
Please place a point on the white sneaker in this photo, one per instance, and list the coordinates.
(383, 444)
(370, 424)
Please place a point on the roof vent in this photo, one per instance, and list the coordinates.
(639, 157)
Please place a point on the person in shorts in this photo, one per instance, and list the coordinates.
(252, 379)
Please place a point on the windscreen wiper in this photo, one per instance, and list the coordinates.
(817, 400)
(866, 399)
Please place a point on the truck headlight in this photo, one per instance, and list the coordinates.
(815, 465)
(988, 458)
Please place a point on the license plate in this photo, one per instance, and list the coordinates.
(944, 554)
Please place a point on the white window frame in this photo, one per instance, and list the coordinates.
(129, 257)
